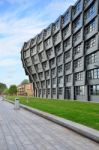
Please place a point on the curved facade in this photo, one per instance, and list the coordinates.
(63, 60)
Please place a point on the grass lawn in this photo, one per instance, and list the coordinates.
(86, 113)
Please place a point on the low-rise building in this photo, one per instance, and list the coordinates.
(25, 89)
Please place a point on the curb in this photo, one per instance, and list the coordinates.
(78, 128)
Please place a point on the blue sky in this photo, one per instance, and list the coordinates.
(20, 20)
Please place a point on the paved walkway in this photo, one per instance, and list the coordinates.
(22, 130)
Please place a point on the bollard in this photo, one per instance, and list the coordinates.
(17, 106)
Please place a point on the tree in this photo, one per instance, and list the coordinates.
(25, 81)
(6, 91)
(2, 87)
(13, 90)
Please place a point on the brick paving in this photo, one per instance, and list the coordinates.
(22, 130)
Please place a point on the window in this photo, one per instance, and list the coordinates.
(47, 42)
(90, 43)
(66, 17)
(33, 50)
(60, 80)
(27, 61)
(77, 63)
(94, 89)
(65, 31)
(35, 77)
(79, 76)
(53, 72)
(76, 23)
(79, 90)
(89, 13)
(40, 91)
(58, 48)
(60, 58)
(44, 64)
(49, 52)
(48, 82)
(77, 36)
(67, 43)
(25, 45)
(53, 91)
(41, 75)
(56, 25)
(67, 54)
(93, 74)
(52, 62)
(90, 27)
(90, 59)
(43, 83)
(26, 53)
(77, 49)
(59, 69)
(47, 73)
(56, 37)
(77, 8)
(39, 47)
(47, 31)
(39, 37)
(68, 66)
(54, 81)
(68, 78)
(42, 55)
(60, 91)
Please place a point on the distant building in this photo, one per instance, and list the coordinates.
(63, 60)
(25, 89)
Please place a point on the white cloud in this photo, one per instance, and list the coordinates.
(8, 62)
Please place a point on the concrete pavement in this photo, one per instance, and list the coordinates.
(23, 130)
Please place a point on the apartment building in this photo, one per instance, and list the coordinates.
(63, 60)
(25, 90)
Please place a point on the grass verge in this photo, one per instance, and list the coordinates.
(85, 113)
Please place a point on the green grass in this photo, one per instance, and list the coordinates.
(85, 113)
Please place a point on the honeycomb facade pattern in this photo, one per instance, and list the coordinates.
(63, 60)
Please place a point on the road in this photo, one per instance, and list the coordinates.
(22, 130)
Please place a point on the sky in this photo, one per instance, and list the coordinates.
(21, 20)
